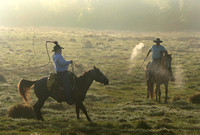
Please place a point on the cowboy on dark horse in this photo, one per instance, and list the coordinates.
(61, 66)
(157, 54)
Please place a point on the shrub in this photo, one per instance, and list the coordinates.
(2, 78)
(164, 125)
(142, 124)
(21, 111)
(176, 97)
(165, 131)
(195, 99)
(88, 44)
(72, 40)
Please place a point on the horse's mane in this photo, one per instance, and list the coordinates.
(162, 62)
(84, 74)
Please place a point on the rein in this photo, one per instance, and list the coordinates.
(77, 66)
(163, 63)
(73, 64)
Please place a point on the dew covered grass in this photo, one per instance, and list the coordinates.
(118, 108)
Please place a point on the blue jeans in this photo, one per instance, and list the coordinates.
(64, 78)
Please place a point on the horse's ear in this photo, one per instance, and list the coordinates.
(95, 68)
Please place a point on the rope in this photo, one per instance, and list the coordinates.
(139, 69)
(33, 44)
(79, 67)
(35, 54)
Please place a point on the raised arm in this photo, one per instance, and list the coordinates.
(149, 52)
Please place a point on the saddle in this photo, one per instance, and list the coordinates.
(53, 82)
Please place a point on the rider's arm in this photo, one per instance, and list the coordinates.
(149, 52)
(164, 50)
(62, 61)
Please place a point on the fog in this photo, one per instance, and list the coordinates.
(136, 15)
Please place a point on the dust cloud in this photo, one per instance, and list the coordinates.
(135, 52)
(179, 75)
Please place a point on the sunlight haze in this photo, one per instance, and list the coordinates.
(141, 15)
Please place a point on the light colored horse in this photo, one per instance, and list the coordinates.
(159, 76)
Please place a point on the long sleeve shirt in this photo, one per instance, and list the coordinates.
(157, 51)
(60, 63)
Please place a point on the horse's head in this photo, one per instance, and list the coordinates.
(98, 76)
(168, 60)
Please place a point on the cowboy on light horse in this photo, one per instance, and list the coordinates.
(157, 54)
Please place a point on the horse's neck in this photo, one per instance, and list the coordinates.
(163, 64)
(85, 82)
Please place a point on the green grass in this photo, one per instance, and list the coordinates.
(119, 108)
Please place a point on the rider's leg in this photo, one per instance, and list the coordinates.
(172, 78)
(64, 77)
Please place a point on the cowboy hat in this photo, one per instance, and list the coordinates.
(57, 47)
(158, 40)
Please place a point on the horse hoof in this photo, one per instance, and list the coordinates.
(89, 119)
(41, 119)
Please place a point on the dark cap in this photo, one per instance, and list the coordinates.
(57, 47)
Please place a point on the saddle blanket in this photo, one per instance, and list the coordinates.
(52, 81)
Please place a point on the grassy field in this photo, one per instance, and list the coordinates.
(118, 108)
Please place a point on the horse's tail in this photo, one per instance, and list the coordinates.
(23, 87)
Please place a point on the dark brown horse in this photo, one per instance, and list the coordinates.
(160, 76)
(81, 85)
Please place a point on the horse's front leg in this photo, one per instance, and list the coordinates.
(82, 107)
(166, 92)
(148, 89)
(158, 92)
(77, 111)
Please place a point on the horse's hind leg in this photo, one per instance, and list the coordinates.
(152, 90)
(37, 107)
(150, 87)
(82, 107)
(166, 92)
(159, 92)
